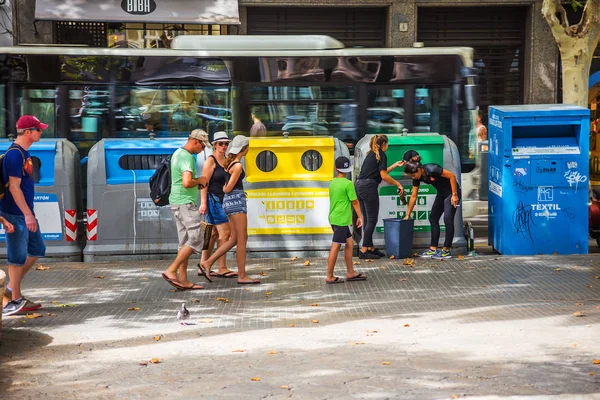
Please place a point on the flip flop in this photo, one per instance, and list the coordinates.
(252, 282)
(228, 274)
(336, 280)
(195, 286)
(172, 282)
(202, 272)
(359, 277)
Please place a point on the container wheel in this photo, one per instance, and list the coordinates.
(469, 236)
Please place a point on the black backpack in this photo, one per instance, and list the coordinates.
(4, 185)
(160, 183)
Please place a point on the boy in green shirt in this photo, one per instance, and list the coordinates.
(342, 198)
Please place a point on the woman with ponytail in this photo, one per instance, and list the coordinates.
(373, 171)
(234, 205)
(446, 201)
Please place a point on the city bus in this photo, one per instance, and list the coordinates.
(295, 85)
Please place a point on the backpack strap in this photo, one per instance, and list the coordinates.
(232, 164)
(12, 147)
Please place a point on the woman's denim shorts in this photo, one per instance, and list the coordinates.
(216, 215)
(235, 202)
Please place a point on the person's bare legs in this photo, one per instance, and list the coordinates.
(350, 271)
(240, 227)
(16, 274)
(180, 263)
(224, 231)
(333, 253)
(221, 250)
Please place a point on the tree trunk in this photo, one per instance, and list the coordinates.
(576, 62)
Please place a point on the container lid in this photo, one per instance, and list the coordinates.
(541, 110)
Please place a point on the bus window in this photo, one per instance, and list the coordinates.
(306, 110)
(88, 115)
(41, 103)
(171, 111)
(385, 113)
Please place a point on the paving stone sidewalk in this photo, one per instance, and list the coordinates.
(450, 328)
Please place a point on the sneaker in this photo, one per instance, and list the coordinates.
(368, 255)
(427, 253)
(30, 305)
(442, 255)
(378, 253)
(13, 307)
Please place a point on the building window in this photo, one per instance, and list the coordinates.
(92, 34)
(138, 35)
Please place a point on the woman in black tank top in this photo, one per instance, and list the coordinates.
(212, 204)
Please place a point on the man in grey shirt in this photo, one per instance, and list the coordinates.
(258, 128)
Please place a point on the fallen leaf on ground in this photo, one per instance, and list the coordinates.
(293, 258)
(415, 255)
(596, 362)
(22, 321)
(592, 373)
(143, 279)
(292, 325)
(579, 304)
(41, 267)
(369, 261)
(382, 267)
(272, 352)
(238, 351)
(173, 290)
(143, 363)
(403, 279)
(483, 285)
(206, 321)
(307, 263)
(34, 315)
(386, 363)
(272, 269)
(392, 257)
(67, 305)
(144, 269)
(455, 396)
(409, 261)
(372, 331)
(196, 301)
(574, 345)
(356, 263)
(315, 321)
(223, 299)
(356, 343)
(156, 361)
(157, 337)
(406, 325)
(255, 379)
(285, 387)
(558, 269)
(576, 266)
(99, 277)
(54, 302)
(133, 309)
(461, 257)
(268, 293)
(50, 315)
(597, 277)
(315, 305)
(579, 314)
(263, 273)
(589, 286)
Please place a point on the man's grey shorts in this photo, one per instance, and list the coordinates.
(189, 227)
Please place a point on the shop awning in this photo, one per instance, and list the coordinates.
(223, 12)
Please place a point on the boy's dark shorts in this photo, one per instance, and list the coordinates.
(340, 234)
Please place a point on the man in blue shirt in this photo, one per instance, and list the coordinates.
(25, 244)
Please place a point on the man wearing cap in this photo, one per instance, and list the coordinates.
(184, 205)
(25, 244)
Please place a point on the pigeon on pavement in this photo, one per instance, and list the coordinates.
(183, 314)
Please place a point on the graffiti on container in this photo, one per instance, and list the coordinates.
(523, 220)
(520, 186)
(573, 177)
(569, 212)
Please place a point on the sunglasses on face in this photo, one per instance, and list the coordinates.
(222, 144)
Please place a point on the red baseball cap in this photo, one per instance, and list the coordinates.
(29, 121)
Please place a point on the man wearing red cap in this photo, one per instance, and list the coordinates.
(25, 244)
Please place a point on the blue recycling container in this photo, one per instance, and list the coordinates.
(538, 168)
(398, 235)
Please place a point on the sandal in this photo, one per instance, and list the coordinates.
(336, 280)
(202, 272)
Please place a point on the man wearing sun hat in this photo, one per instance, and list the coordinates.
(25, 244)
